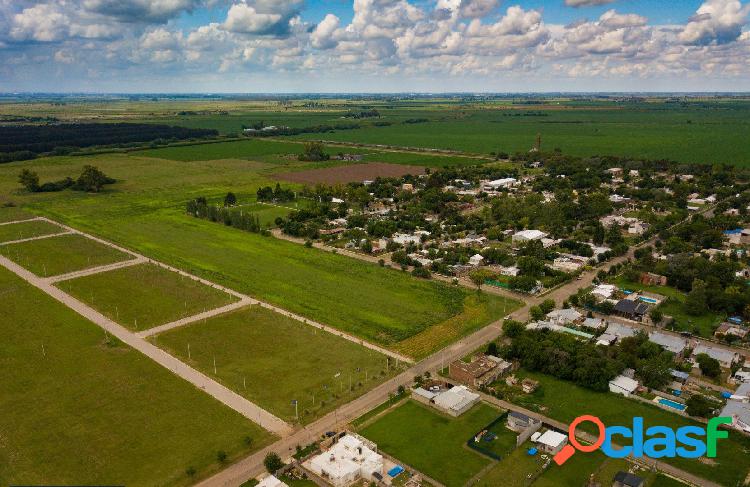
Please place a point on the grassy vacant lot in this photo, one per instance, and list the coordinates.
(12, 213)
(144, 211)
(565, 401)
(431, 442)
(703, 325)
(279, 359)
(18, 231)
(80, 410)
(144, 296)
(61, 255)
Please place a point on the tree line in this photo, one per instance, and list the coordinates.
(91, 180)
(231, 217)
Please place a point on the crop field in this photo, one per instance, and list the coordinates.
(351, 173)
(562, 401)
(431, 442)
(22, 230)
(83, 409)
(60, 255)
(144, 296)
(273, 360)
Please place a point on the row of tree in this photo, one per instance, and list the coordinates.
(232, 217)
(91, 180)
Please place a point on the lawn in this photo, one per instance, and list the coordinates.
(35, 228)
(431, 442)
(144, 296)
(79, 409)
(564, 401)
(60, 255)
(273, 360)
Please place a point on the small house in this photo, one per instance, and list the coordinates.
(550, 441)
(626, 479)
(519, 422)
(623, 385)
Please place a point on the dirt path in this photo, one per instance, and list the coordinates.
(31, 239)
(200, 316)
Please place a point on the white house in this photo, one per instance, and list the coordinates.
(564, 316)
(504, 183)
(738, 408)
(528, 235)
(604, 291)
(352, 458)
(725, 357)
(456, 401)
(623, 385)
(550, 441)
(510, 271)
(476, 260)
(271, 481)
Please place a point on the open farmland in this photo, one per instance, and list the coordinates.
(120, 418)
(144, 296)
(350, 173)
(431, 442)
(22, 230)
(62, 254)
(11, 213)
(273, 360)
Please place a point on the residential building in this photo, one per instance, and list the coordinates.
(671, 343)
(730, 329)
(519, 422)
(651, 279)
(604, 291)
(623, 385)
(631, 309)
(626, 479)
(564, 316)
(568, 264)
(504, 183)
(725, 357)
(481, 371)
(738, 408)
(528, 235)
(476, 260)
(550, 441)
(619, 330)
(594, 323)
(456, 401)
(271, 481)
(529, 385)
(351, 459)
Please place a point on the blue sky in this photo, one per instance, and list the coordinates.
(374, 45)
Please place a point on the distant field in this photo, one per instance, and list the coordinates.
(431, 442)
(279, 359)
(356, 172)
(61, 255)
(80, 411)
(144, 296)
(18, 231)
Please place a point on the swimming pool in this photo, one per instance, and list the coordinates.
(647, 300)
(395, 471)
(672, 404)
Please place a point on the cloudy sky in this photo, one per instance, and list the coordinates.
(373, 45)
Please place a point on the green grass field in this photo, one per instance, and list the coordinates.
(565, 401)
(144, 296)
(19, 231)
(60, 255)
(273, 360)
(431, 442)
(80, 410)
(12, 213)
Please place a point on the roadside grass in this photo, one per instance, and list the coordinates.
(433, 443)
(35, 228)
(81, 409)
(273, 360)
(60, 255)
(478, 310)
(704, 324)
(564, 401)
(13, 213)
(145, 295)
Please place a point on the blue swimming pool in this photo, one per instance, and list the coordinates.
(672, 404)
(395, 471)
(647, 300)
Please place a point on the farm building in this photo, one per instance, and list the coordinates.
(350, 459)
(623, 385)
